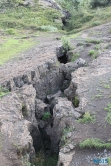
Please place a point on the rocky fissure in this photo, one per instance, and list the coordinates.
(45, 100)
(39, 107)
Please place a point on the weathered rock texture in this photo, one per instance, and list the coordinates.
(14, 128)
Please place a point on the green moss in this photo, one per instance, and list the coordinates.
(3, 92)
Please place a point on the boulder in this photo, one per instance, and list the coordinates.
(68, 68)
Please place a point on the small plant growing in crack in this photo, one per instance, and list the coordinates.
(25, 161)
(76, 101)
(87, 118)
(64, 139)
(3, 91)
(46, 116)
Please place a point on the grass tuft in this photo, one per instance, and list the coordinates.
(87, 118)
(94, 143)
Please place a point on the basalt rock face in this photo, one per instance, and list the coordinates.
(13, 124)
(51, 81)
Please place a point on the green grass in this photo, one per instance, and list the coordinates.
(65, 43)
(108, 116)
(97, 47)
(87, 118)
(98, 96)
(94, 143)
(24, 21)
(12, 46)
(94, 41)
(93, 54)
(73, 36)
(108, 107)
(29, 18)
(106, 86)
(75, 56)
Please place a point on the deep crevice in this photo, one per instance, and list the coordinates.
(45, 129)
(63, 59)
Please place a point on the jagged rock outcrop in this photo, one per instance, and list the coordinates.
(40, 108)
(14, 127)
(68, 68)
(63, 114)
